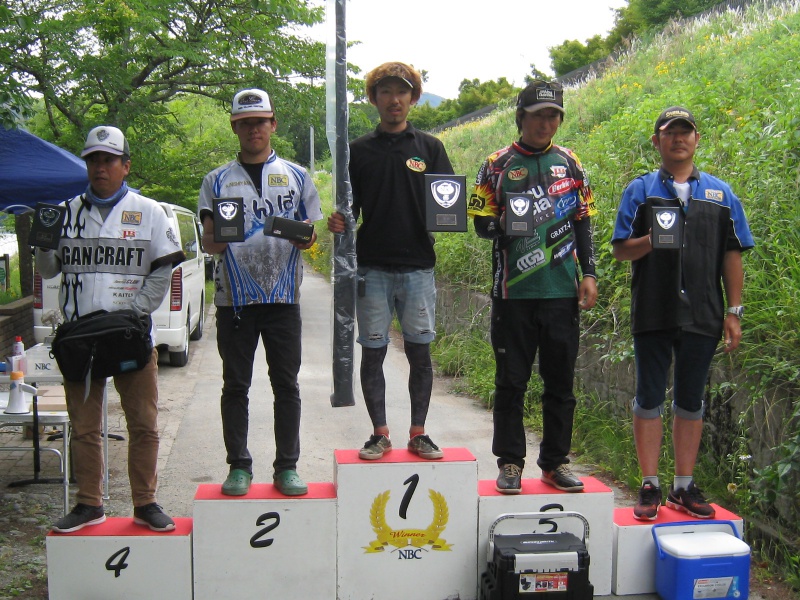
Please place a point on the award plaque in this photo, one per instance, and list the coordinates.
(445, 202)
(519, 215)
(228, 219)
(48, 220)
(288, 229)
(666, 234)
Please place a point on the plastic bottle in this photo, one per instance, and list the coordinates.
(18, 362)
(18, 348)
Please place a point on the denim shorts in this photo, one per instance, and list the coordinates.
(692, 354)
(409, 294)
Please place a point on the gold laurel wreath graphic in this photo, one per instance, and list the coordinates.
(401, 538)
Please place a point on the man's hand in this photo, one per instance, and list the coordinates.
(587, 293)
(732, 333)
(336, 223)
(305, 245)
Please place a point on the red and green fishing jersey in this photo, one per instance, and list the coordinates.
(545, 264)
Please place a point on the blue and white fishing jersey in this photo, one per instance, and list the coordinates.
(262, 269)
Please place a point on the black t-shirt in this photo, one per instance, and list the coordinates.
(387, 174)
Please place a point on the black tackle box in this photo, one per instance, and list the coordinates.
(545, 566)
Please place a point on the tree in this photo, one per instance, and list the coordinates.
(536, 74)
(15, 104)
(572, 54)
(119, 62)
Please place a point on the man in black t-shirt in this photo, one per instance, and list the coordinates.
(394, 250)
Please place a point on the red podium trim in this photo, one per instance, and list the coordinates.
(591, 485)
(125, 527)
(401, 455)
(265, 491)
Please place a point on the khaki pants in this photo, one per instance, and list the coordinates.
(138, 393)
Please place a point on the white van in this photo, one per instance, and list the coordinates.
(180, 317)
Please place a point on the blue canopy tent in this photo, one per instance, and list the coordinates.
(33, 170)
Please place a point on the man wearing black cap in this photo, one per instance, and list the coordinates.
(394, 251)
(538, 288)
(105, 223)
(677, 308)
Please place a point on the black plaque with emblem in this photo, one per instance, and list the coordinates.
(445, 202)
(288, 229)
(519, 215)
(228, 219)
(666, 233)
(48, 221)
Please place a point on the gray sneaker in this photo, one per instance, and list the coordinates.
(375, 448)
(563, 479)
(509, 481)
(423, 446)
(81, 516)
(153, 516)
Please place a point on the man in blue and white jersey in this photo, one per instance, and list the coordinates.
(258, 289)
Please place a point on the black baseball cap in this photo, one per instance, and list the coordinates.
(672, 114)
(541, 94)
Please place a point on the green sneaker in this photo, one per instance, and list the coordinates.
(237, 483)
(290, 484)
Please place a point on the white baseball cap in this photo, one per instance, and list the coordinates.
(105, 138)
(251, 103)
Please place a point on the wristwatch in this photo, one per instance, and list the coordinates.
(736, 310)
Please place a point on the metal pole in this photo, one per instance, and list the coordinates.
(311, 150)
(343, 273)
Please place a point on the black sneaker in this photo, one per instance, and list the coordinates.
(81, 516)
(649, 502)
(690, 501)
(153, 516)
(510, 479)
(562, 479)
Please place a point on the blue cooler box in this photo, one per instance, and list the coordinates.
(701, 559)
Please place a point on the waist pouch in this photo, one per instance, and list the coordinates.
(102, 344)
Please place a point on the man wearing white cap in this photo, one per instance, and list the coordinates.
(113, 237)
(258, 289)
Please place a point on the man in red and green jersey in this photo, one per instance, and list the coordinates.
(540, 282)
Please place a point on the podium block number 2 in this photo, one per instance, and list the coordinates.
(256, 541)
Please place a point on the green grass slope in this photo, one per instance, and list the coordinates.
(739, 72)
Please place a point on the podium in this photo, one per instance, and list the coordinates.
(406, 526)
(634, 550)
(119, 559)
(265, 544)
(393, 528)
(595, 502)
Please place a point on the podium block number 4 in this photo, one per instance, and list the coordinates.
(120, 556)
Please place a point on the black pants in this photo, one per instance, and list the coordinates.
(279, 327)
(520, 328)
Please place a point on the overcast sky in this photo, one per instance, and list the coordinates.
(470, 39)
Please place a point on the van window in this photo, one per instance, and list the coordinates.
(188, 231)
